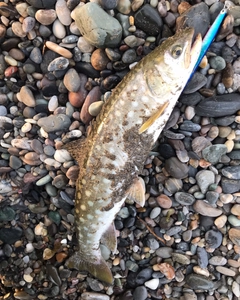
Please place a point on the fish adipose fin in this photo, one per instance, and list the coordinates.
(137, 191)
(94, 265)
(153, 118)
(109, 238)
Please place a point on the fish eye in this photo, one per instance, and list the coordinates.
(176, 51)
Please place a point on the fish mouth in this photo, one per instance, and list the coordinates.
(193, 50)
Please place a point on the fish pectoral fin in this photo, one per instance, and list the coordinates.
(153, 118)
(137, 191)
(109, 238)
(74, 146)
(92, 264)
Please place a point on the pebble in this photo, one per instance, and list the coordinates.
(148, 20)
(220, 221)
(217, 62)
(231, 172)
(93, 96)
(202, 257)
(218, 261)
(71, 80)
(164, 201)
(199, 282)
(233, 220)
(206, 209)
(46, 16)
(54, 123)
(63, 12)
(184, 198)
(94, 296)
(225, 271)
(204, 179)
(213, 238)
(152, 284)
(26, 96)
(140, 293)
(88, 20)
(58, 49)
(213, 153)
(176, 168)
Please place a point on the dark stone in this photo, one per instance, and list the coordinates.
(166, 151)
(191, 99)
(199, 282)
(176, 168)
(143, 276)
(197, 17)
(148, 19)
(42, 3)
(235, 154)
(110, 82)
(197, 81)
(231, 172)
(202, 257)
(108, 4)
(225, 121)
(219, 106)
(213, 238)
(87, 69)
(10, 235)
(230, 186)
(10, 43)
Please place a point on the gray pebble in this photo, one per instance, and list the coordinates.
(217, 62)
(213, 153)
(36, 55)
(231, 172)
(140, 293)
(197, 81)
(164, 252)
(202, 257)
(15, 162)
(184, 198)
(59, 63)
(3, 110)
(213, 238)
(72, 81)
(204, 179)
(173, 230)
(199, 282)
(153, 244)
(55, 123)
(129, 56)
(176, 168)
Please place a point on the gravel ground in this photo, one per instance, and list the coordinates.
(59, 62)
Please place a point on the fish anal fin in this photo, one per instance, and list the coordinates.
(153, 118)
(96, 266)
(137, 191)
(109, 238)
(74, 147)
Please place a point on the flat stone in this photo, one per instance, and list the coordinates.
(199, 282)
(218, 106)
(197, 81)
(46, 16)
(94, 296)
(26, 96)
(71, 80)
(218, 261)
(213, 238)
(206, 209)
(176, 168)
(55, 123)
(63, 12)
(225, 271)
(10, 235)
(213, 153)
(231, 172)
(229, 186)
(202, 257)
(184, 198)
(100, 34)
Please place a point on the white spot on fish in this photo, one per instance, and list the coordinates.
(121, 101)
(77, 211)
(84, 181)
(105, 180)
(81, 219)
(88, 193)
(90, 203)
(98, 147)
(98, 212)
(144, 99)
(134, 103)
(93, 177)
(83, 207)
(130, 114)
(117, 113)
(90, 217)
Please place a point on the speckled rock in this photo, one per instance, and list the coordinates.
(53, 123)
(99, 34)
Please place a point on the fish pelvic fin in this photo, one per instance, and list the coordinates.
(94, 265)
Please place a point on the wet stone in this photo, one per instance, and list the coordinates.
(148, 20)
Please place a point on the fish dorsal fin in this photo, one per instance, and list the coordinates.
(153, 118)
(74, 147)
(109, 238)
(137, 191)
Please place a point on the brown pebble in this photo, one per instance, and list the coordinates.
(72, 173)
(226, 28)
(234, 235)
(16, 54)
(207, 92)
(77, 99)
(60, 257)
(203, 62)
(227, 75)
(166, 269)
(205, 209)
(183, 6)
(99, 59)
(46, 16)
(164, 201)
(213, 132)
(235, 210)
(58, 49)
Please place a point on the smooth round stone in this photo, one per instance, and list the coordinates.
(199, 282)
(235, 210)
(180, 258)
(58, 29)
(225, 271)
(60, 181)
(148, 20)
(26, 127)
(217, 62)
(95, 108)
(3, 110)
(53, 103)
(234, 221)
(84, 46)
(152, 284)
(164, 201)
(71, 80)
(164, 252)
(62, 155)
(99, 59)
(173, 230)
(236, 289)
(231, 172)
(206, 209)
(124, 6)
(36, 55)
(26, 96)
(100, 34)
(63, 12)
(94, 296)
(213, 153)
(217, 261)
(108, 4)
(46, 16)
(44, 180)
(140, 293)
(93, 96)
(17, 29)
(184, 198)
(124, 213)
(230, 186)
(152, 244)
(7, 214)
(212, 197)
(129, 56)
(52, 162)
(187, 235)
(204, 179)
(155, 212)
(54, 123)
(15, 162)
(213, 238)
(220, 221)
(176, 168)
(197, 81)
(58, 64)
(234, 235)
(202, 257)
(28, 24)
(36, 145)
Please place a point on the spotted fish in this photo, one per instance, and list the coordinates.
(113, 154)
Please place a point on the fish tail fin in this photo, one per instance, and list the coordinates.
(92, 264)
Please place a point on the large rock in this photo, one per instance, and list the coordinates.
(97, 27)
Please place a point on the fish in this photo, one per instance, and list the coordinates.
(112, 156)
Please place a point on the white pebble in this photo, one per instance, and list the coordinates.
(236, 289)
(53, 103)
(58, 29)
(26, 127)
(62, 155)
(28, 278)
(29, 248)
(152, 284)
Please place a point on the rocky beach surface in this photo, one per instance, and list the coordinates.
(59, 61)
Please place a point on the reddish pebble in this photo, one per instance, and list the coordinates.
(99, 59)
(10, 71)
(166, 269)
(183, 6)
(60, 257)
(164, 201)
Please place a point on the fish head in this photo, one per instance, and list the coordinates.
(171, 64)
